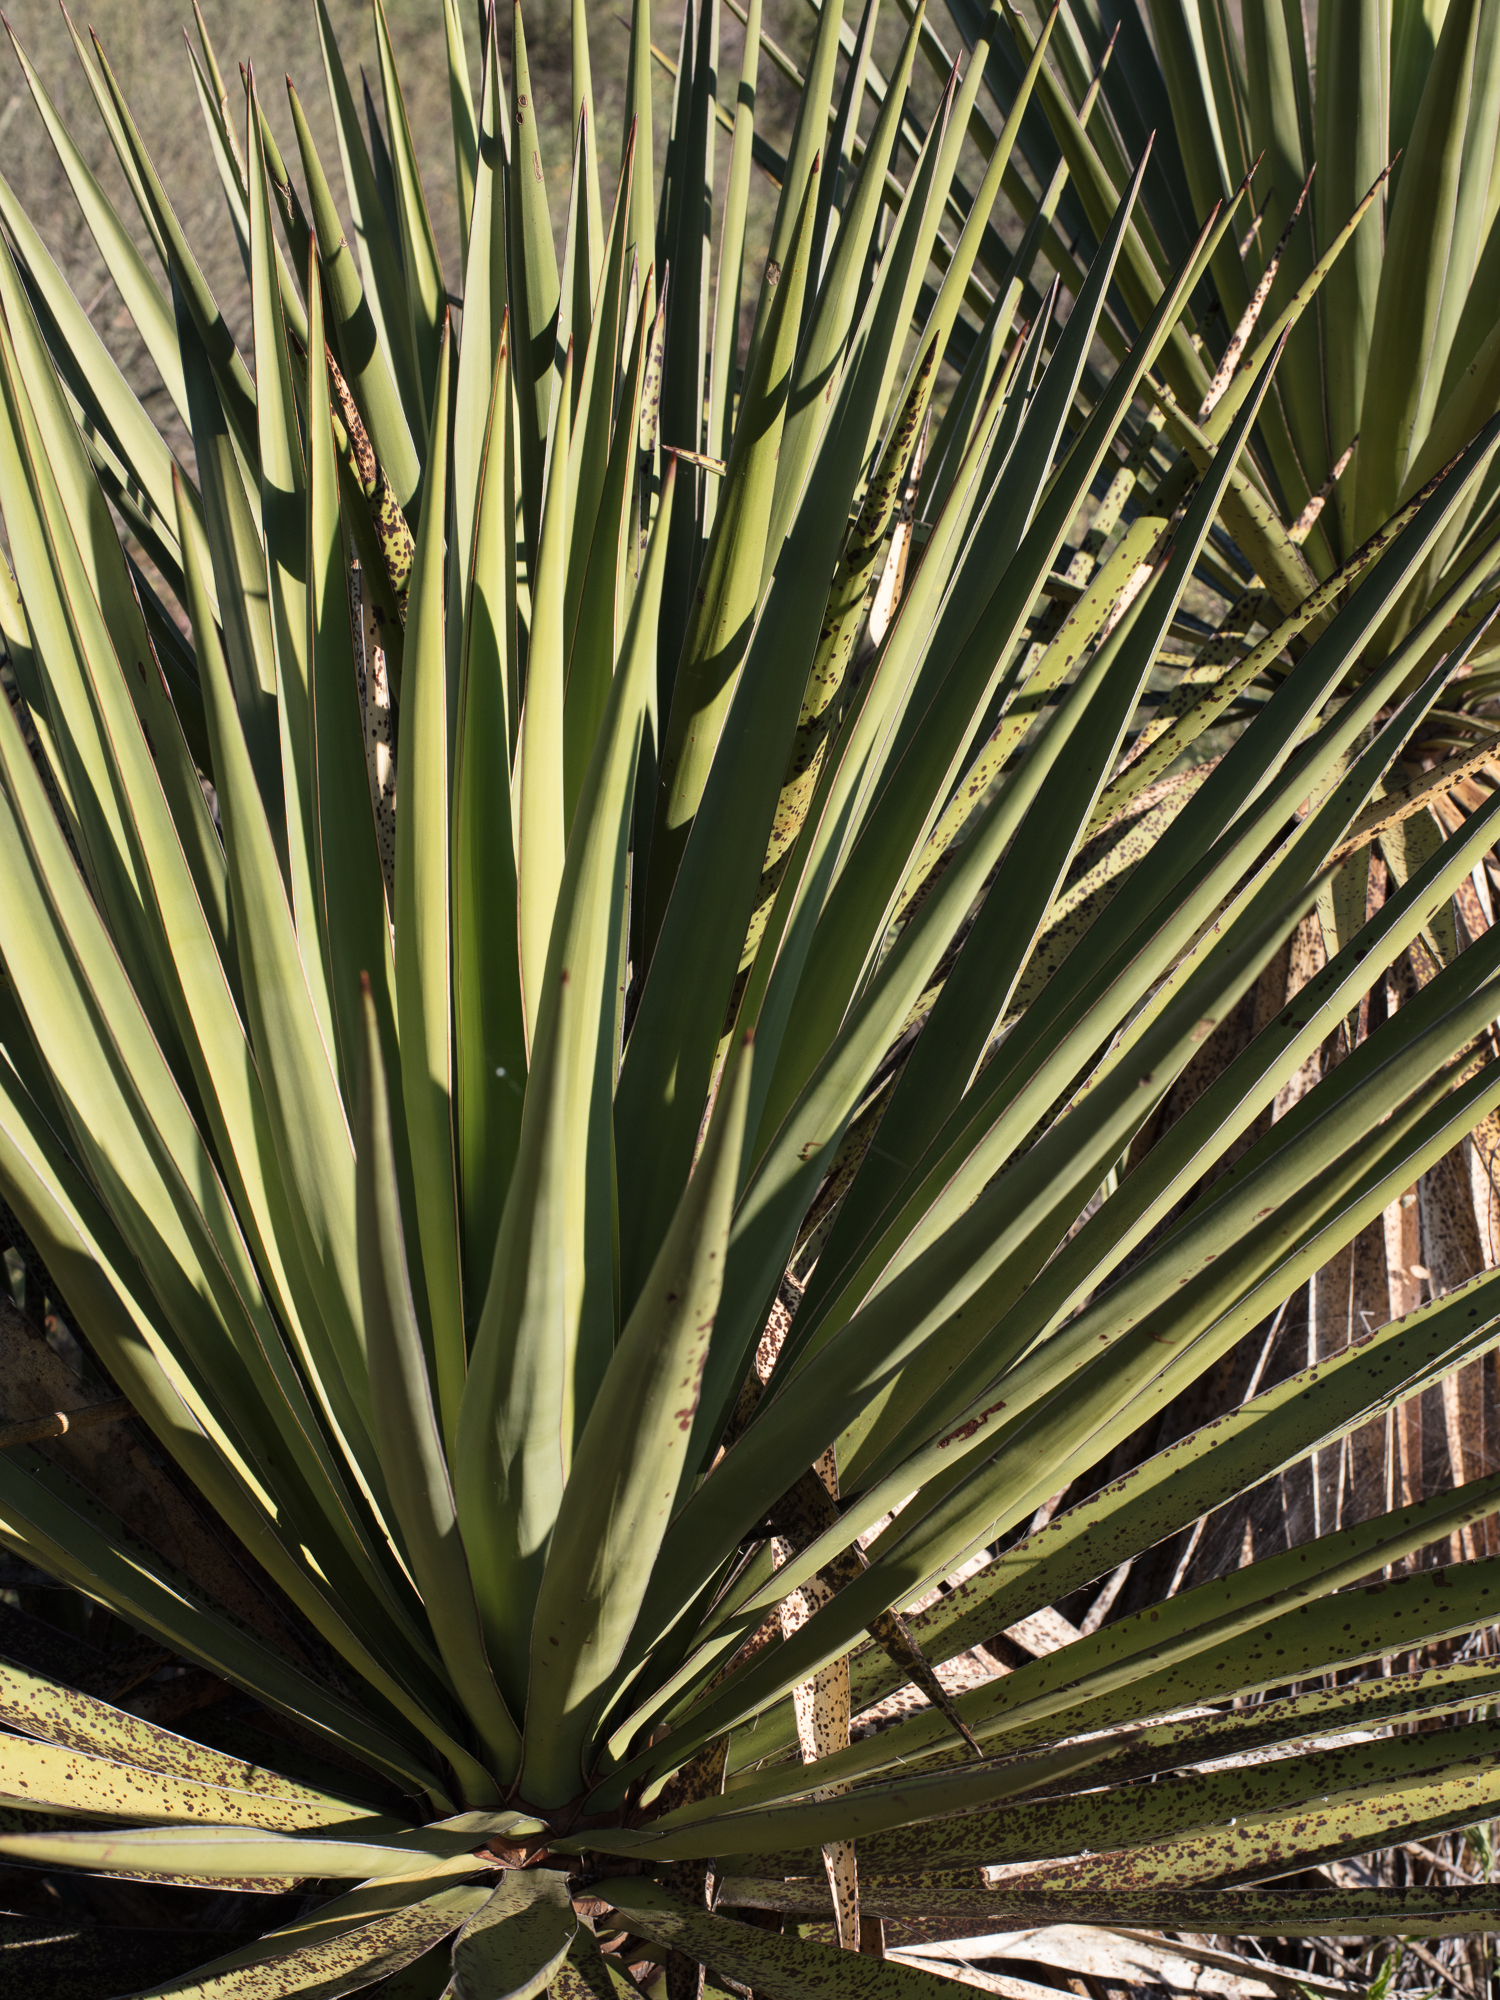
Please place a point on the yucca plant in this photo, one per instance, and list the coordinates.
(596, 927)
(1385, 112)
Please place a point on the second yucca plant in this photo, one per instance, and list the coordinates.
(580, 1053)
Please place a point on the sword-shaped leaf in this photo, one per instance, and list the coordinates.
(514, 1942)
(49, 1775)
(424, 967)
(547, 1330)
(141, 1589)
(832, 314)
(284, 527)
(534, 289)
(729, 583)
(674, 1044)
(595, 397)
(490, 1026)
(426, 295)
(537, 785)
(229, 1854)
(609, 579)
(352, 920)
(372, 1933)
(406, 1428)
(144, 299)
(190, 286)
(235, 576)
(38, 1706)
(379, 249)
(1434, 218)
(465, 130)
(364, 357)
(785, 1968)
(610, 1527)
(486, 301)
(306, 1112)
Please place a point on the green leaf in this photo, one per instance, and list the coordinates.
(1269, 1622)
(586, 1974)
(424, 967)
(641, 239)
(605, 588)
(143, 296)
(284, 526)
(511, 1946)
(485, 309)
(406, 1428)
(724, 342)
(363, 354)
(1351, 150)
(1433, 220)
(236, 588)
(92, 375)
(833, 315)
(352, 920)
(465, 130)
(490, 1026)
(596, 395)
(541, 830)
(683, 244)
(1042, 814)
(372, 1932)
(91, 588)
(838, 1381)
(1258, 1913)
(534, 288)
(940, 707)
(379, 249)
(426, 294)
(808, 139)
(813, 986)
(229, 1854)
(945, 310)
(1199, 827)
(548, 1327)
(784, 1968)
(1365, 1705)
(306, 1112)
(38, 1706)
(189, 284)
(143, 1591)
(610, 1526)
(48, 1774)
(1384, 1794)
(581, 257)
(1141, 280)
(673, 1046)
(211, 1325)
(729, 583)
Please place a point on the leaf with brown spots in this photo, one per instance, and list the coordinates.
(513, 1944)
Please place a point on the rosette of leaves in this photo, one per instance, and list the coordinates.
(594, 924)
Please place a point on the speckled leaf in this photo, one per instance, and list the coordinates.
(783, 1968)
(38, 1706)
(341, 1947)
(510, 1947)
(220, 1853)
(50, 1775)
